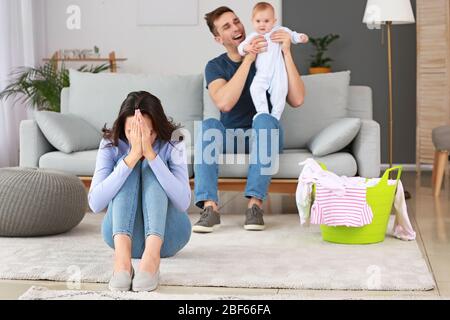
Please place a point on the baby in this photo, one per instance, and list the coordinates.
(270, 67)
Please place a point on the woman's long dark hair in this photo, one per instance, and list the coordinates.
(148, 104)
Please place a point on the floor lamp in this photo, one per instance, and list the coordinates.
(388, 12)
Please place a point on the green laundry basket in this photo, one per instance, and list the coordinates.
(380, 199)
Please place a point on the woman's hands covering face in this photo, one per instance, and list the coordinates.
(135, 137)
(148, 135)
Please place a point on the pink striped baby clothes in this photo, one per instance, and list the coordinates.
(350, 209)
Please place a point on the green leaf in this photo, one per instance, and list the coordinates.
(40, 88)
(321, 45)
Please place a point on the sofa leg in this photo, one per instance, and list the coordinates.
(441, 161)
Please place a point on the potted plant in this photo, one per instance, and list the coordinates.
(40, 88)
(320, 63)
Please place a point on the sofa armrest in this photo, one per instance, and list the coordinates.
(33, 144)
(366, 149)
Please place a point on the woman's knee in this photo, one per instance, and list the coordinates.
(151, 187)
(131, 185)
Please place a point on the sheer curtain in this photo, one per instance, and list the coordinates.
(21, 44)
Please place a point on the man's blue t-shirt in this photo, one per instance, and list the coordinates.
(241, 115)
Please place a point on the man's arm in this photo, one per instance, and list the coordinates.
(296, 87)
(225, 94)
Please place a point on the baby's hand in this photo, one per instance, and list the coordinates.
(303, 38)
(251, 48)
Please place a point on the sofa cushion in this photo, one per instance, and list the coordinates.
(83, 163)
(326, 100)
(335, 137)
(80, 163)
(67, 132)
(236, 166)
(97, 97)
(360, 102)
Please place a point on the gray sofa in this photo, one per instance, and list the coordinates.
(97, 97)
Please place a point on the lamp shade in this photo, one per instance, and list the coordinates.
(381, 11)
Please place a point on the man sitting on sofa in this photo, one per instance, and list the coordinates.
(228, 78)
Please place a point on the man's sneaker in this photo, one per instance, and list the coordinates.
(208, 221)
(254, 219)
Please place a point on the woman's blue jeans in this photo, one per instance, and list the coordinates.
(141, 208)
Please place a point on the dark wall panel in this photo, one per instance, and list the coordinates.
(361, 51)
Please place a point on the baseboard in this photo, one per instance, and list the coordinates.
(409, 166)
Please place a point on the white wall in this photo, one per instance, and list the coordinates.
(111, 25)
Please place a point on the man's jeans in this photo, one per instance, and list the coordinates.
(141, 208)
(266, 134)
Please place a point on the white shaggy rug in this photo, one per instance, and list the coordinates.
(42, 293)
(285, 255)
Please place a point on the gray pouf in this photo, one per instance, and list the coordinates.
(441, 138)
(36, 202)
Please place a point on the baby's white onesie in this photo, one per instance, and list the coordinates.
(270, 74)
